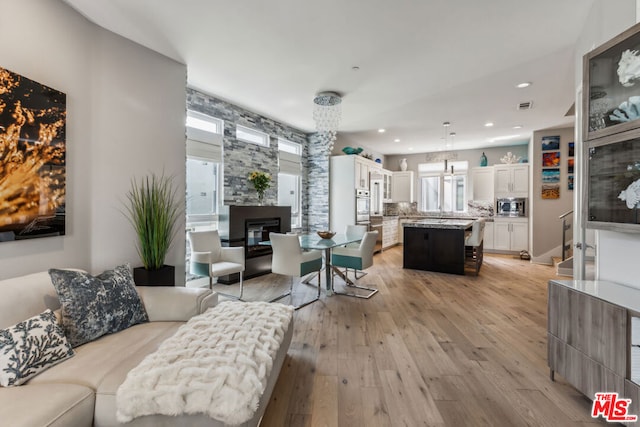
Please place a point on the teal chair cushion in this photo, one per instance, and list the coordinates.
(347, 261)
(310, 266)
(200, 268)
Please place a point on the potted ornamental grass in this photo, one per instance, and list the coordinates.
(153, 210)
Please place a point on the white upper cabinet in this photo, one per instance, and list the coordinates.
(362, 174)
(482, 183)
(386, 195)
(511, 180)
(402, 187)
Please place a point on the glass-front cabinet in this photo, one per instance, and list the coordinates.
(614, 185)
(386, 186)
(611, 129)
(612, 86)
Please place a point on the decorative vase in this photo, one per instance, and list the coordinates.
(260, 198)
(483, 160)
(403, 165)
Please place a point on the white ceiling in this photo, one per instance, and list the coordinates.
(422, 62)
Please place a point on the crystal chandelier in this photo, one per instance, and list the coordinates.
(327, 112)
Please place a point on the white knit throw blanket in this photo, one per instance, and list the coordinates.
(218, 363)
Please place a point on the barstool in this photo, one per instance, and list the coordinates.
(474, 245)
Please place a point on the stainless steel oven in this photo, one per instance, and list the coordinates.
(362, 206)
(511, 206)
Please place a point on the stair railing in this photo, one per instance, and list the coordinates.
(565, 227)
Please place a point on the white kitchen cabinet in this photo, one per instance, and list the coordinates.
(386, 186)
(362, 173)
(389, 232)
(511, 234)
(488, 236)
(347, 174)
(402, 187)
(511, 180)
(482, 183)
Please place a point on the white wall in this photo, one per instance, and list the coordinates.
(546, 228)
(616, 258)
(138, 127)
(125, 117)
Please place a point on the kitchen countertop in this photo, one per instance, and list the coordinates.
(615, 293)
(438, 217)
(454, 224)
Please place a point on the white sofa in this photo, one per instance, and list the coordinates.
(80, 391)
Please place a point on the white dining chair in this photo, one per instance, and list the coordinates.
(289, 259)
(210, 258)
(356, 231)
(356, 259)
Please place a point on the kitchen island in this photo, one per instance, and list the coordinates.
(435, 245)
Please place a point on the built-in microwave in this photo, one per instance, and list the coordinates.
(511, 206)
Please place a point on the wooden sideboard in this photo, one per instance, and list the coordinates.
(588, 336)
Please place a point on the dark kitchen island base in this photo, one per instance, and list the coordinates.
(435, 248)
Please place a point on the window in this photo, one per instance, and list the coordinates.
(252, 136)
(289, 147)
(443, 191)
(203, 122)
(204, 168)
(289, 195)
(290, 178)
(202, 191)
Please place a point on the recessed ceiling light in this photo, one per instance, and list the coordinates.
(523, 85)
(355, 68)
(517, 127)
(381, 130)
(396, 140)
(488, 124)
(410, 148)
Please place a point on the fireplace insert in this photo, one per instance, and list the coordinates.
(248, 225)
(256, 231)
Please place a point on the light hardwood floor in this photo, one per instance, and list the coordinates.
(429, 349)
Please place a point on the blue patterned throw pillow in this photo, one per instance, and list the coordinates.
(96, 306)
(30, 347)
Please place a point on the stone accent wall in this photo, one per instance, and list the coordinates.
(318, 184)
(241, 158)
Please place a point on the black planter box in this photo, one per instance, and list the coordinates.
(164, 276)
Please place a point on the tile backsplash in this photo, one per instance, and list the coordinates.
(475, 208)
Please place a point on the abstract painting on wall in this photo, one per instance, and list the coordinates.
(551, 159)
(550, 143)
(550, 175)
(32, 158)
(550, 191)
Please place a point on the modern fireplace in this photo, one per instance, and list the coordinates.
(256, 231)
(247, 226)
